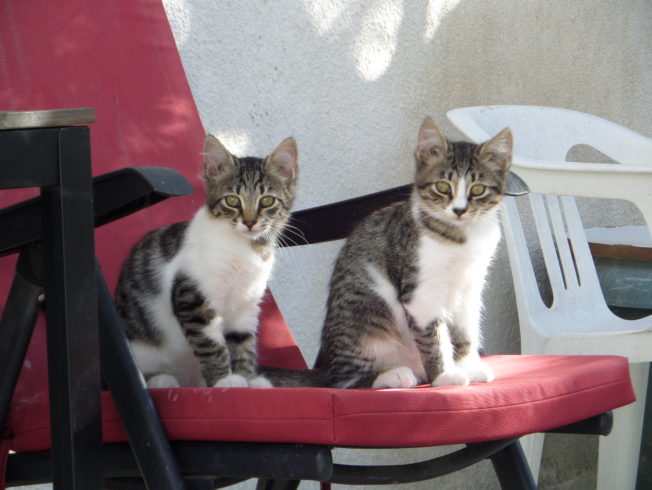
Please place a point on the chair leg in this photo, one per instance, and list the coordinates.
(512, 469)
(619, 452)
(71, 317)
(144, 428)
(16, 327)
(532, 445)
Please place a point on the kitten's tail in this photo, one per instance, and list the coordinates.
(295, 378)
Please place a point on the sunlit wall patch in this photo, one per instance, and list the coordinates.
(437, 10)
(324, 13)
(375, 45)
(237, 142)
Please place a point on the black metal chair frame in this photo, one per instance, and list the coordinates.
(71, 204)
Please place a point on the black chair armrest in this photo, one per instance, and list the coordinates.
(336, 221)
(115, 195)
(120, 193)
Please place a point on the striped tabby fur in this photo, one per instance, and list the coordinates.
(189, 292)
(405, 295)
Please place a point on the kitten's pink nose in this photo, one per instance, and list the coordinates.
(249, 223)
(459, 211)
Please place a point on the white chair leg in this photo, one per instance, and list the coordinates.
(619, 451)
(532, 445)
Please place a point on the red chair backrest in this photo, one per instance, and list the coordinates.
(121, 59)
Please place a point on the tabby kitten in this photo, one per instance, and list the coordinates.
(405, 297)
(189, 292)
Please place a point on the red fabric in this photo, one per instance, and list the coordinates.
(530, 394)
(4, 455)
(121, 59)
(277, 346)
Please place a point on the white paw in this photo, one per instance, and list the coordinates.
(452, 376)
(260, 382)
(163, 381)
(478, 371)
(399, 377)
(232, 381)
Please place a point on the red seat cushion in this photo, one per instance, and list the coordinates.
(530, 394)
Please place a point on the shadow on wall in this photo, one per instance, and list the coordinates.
(328, 66)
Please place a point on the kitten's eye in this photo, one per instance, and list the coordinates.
(478, 189)
(233, 201)
(443, 187)
(266, 201)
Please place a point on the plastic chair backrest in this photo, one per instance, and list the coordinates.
(574, 283)
(548, 133)
(543, 136)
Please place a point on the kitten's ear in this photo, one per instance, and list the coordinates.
(498, 150)
(283, 160)
(217, 159)
(431, 142)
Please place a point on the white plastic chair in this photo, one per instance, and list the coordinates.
(578, 321)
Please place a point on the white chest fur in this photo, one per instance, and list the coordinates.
(229, 272)
(232, 277)
(451, 275)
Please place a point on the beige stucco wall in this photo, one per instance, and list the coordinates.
(351, 81)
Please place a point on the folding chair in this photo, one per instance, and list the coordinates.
(205, 437)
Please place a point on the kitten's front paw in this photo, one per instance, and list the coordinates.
(453, 376)
(260, 382)
(400, 377)
(478, 371)
(163, 381)
(232, 381)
